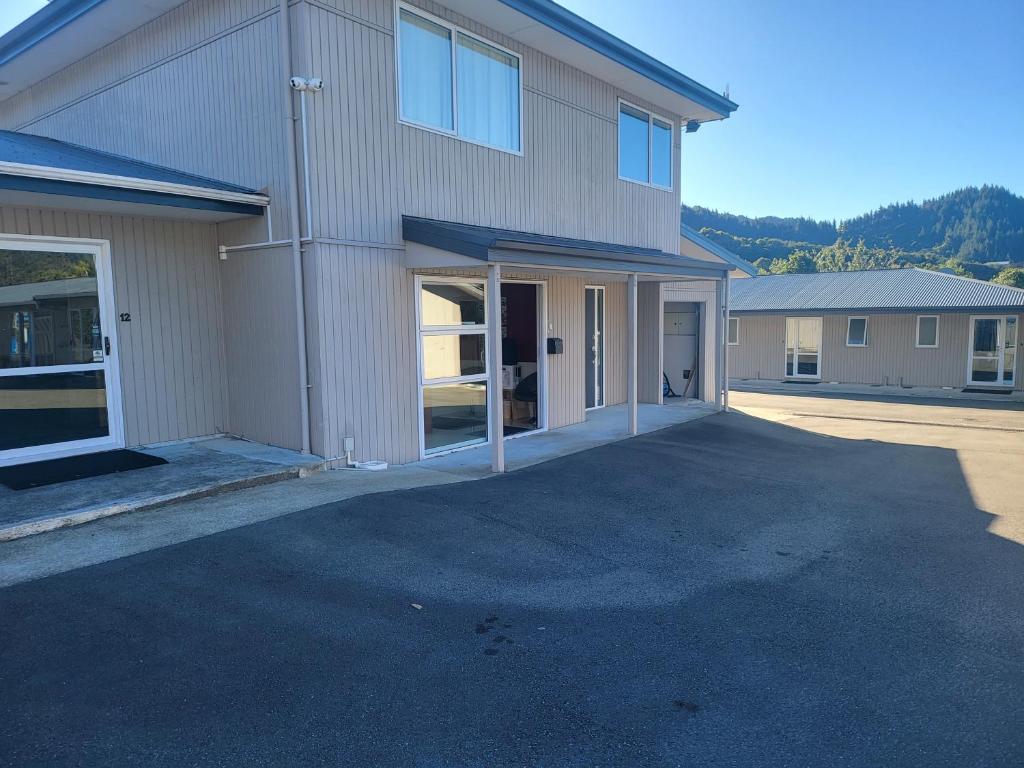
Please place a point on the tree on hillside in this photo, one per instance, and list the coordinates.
(1011, 276)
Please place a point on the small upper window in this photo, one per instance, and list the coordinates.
(857, 332)
(734, 330)
(454, 82)
(645, 147)
(928, 331)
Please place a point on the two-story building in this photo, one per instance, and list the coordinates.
(399, 228)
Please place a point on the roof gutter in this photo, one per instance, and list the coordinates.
(45, 22)
(130, 182)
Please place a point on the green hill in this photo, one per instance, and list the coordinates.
(966, 231)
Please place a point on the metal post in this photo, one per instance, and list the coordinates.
(720, 339)
(631, 355)
(725, 350)
(495, 416)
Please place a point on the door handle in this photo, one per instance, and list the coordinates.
(106, 345)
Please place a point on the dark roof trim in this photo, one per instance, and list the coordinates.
(43, 23)
(711, 246)
(501, 245)
(582, 31)
(103, 192)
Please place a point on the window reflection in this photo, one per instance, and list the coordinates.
(451, 304)
(49, 309)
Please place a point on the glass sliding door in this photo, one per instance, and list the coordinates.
(594, 346)
(58, 387)
(993, 351)
(453, 363)
(803, 347)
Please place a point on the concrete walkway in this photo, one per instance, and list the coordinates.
(151, 527)
(940, 393)
(194, 469)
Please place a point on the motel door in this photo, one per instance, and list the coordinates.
(803, 347)
(993, 351)
(58, 382)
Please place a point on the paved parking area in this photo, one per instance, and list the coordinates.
(760, 587)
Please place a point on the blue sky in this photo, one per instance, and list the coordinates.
(844, 106)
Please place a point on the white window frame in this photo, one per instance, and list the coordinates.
(867, 338)
(651, 117)
(111, 364)
(727, 334)
(917, 333)
(455, 30)
(449, 330)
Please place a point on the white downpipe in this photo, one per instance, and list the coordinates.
(284, 29)
(632, 394)
(725, 350)
(720, 339)
(305, 164)
(496, 421)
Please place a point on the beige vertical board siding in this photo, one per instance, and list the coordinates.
(171, 353)
(650, 327)
(196, 89)
(259, 322)
(891, 356)
(701, 292)
(369, 169)
(761, 353)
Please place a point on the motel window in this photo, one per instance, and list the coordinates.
(928, 331)
(734, 331)
(857, 332)
(645, 147)
(454, 82)
(453, 363)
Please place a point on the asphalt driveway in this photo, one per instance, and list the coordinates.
(733, 591)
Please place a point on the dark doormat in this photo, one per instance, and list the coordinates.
(25, 476)
(983, 391)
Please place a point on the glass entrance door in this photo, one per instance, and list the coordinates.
(993, 351)
(803, 347)
(57, 385)
(594, 346)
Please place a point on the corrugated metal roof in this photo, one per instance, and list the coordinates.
(27, 149)
(872, 290)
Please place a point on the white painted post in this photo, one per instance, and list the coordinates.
(631, 354)
(720, 339)
(495, 416)
(725, 350)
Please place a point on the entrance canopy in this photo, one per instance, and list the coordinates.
(439, 244)
(36, 171)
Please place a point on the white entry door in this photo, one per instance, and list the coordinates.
(992, 356)
(803, 347)
(59, 392)
(593, 344)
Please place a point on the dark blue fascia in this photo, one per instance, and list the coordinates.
(101, 192)
(40, 25)
(582, 31)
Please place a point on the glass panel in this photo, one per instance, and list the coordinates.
(447, 304)
(807, 365)
(986, 336)
(453, 355)
(857, 333)
(600, 348)
(49, 309)
(1010, 350)
(661, 153)
(454, 415)
(425, 61)
(590, 347)
(634, 136)
(488, 87)
(927, 331)
(40, 409)
(734, 330)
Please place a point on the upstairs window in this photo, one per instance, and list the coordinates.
(857, 332)
(456, 83)
(645, 147)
